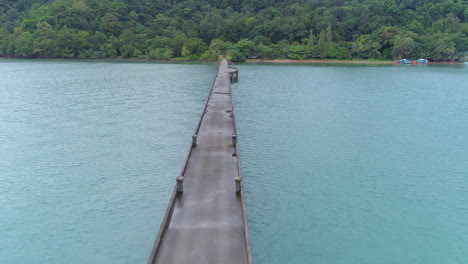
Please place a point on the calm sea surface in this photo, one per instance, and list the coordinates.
(342, 164)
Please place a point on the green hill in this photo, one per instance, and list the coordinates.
(204, 29)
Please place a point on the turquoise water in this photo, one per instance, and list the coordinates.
(342, 164)
(89, 154)
(355, 164)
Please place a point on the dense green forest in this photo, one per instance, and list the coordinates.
(205, 29)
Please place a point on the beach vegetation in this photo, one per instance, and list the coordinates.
(206, 29)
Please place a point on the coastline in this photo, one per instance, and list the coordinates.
(248, 61)
(312, 61)
(174, 60)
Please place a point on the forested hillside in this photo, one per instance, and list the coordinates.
(204, 29)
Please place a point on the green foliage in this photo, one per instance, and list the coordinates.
(367, 47)
(246, 47)
(403, 47)
(193, 47)
(43, 40)
(111, 24)
(5, 42)
(367, 29)
(161, 54)
(217, 48)
(297, 52)
(23, 43)
(235, 54)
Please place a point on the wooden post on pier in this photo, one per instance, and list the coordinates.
(180, 184)
(194, 140)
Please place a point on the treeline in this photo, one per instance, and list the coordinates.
(205, 29)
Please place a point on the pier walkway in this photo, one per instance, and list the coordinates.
(206, 221)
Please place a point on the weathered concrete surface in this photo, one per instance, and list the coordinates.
(206, 224)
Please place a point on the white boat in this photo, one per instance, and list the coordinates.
(422, 61)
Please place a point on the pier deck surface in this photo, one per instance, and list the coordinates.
(206, 223)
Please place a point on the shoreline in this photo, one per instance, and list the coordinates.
(106, 59)
(314, 61)
(248, 61)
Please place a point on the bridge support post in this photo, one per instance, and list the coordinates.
(194, 140)
(238, 183)
(180, 184)
(234, 139)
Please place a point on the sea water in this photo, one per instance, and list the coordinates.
(355, 164)
(341, 163)
(89, 153)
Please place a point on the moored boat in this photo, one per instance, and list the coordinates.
(404, 61)
(422, 61)
(419, 61)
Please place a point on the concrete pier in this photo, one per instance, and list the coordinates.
(206, 221)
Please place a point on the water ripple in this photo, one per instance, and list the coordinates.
(354, 164)
(89, 155)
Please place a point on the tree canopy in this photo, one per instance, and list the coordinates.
(205, 29)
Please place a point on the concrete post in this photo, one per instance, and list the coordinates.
(238, 183)
(194, 140)
(234, 140)
(180, 184)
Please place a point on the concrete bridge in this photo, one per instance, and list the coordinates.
(206, 221)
